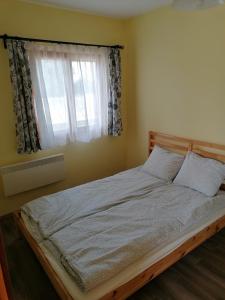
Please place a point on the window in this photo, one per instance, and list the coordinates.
(71, 92)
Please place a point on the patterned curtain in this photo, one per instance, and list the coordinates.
(26, 127)
(114, 113)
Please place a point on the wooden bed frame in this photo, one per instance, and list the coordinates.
(176, 144)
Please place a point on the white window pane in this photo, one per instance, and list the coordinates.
(84, 85)
(71, 93)
(55, 90)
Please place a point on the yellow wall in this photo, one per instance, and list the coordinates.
(84, 162)
(173, 79)
(177, 77)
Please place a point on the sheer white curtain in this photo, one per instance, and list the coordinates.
(71, 92)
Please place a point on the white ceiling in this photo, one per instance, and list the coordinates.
(115, 8)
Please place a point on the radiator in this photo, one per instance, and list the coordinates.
(30, 175)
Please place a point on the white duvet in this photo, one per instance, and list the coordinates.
(53, 212)
(108, 224)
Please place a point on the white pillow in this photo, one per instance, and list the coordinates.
(202, 174)
(163, 164)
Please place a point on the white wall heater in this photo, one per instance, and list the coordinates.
(30, 175)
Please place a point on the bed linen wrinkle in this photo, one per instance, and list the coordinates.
(54, 212)
(97, 247)
(128, 273)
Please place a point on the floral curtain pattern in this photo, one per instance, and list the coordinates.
(26, 127)
(114, 111)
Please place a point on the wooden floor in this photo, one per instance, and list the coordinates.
(199, 275)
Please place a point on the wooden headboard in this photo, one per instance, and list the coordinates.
(182, 145)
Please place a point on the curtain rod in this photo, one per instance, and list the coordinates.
(5, 37)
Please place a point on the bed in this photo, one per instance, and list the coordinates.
(138, 270)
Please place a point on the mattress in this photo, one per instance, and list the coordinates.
(131, 215)
(129, 272)
(99, 246)
(98, 229)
